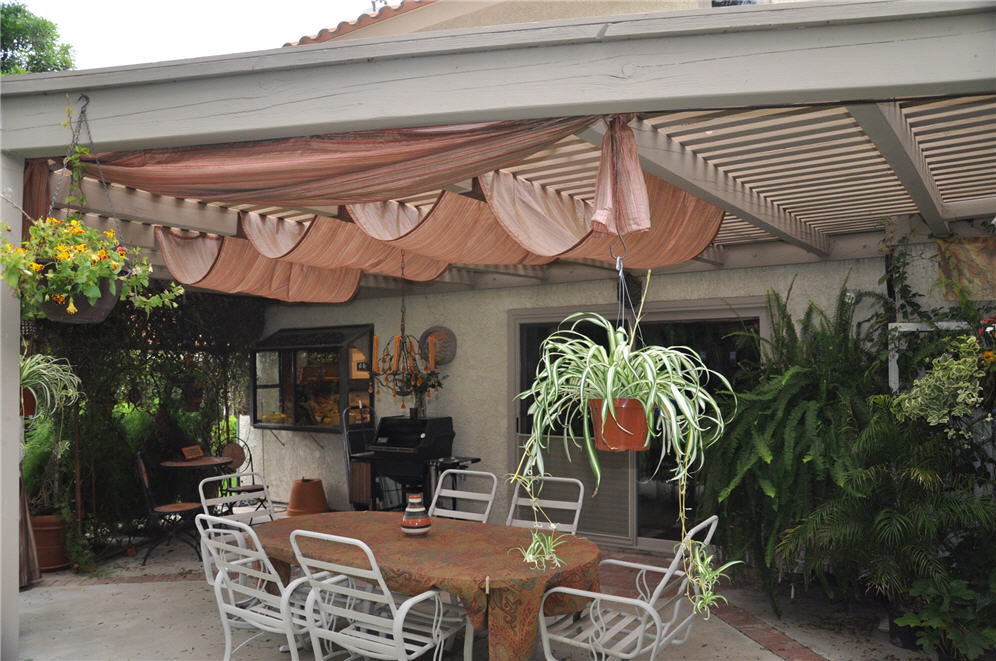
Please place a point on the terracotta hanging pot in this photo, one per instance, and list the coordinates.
(28, 403)
(85, 312)
(628, 431)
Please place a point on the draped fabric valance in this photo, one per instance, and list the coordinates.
(335, 169)
(322, 259)
(232, 265)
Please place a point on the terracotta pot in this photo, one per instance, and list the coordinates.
(628, 431)
(85, 313)
(307, 496)
(28, 403)
(50, 541)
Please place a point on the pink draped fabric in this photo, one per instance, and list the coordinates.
(232, 265)
(541, 221)
(681, 227)
(335, 169)
(457, 229)
(620, 196)
(329, 243)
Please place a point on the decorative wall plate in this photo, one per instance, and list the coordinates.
(446, 344)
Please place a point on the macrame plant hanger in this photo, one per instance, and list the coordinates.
(76, 178)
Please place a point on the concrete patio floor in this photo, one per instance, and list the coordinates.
(166, 610)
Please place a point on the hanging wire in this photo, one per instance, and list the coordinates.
(624, 302)
(77, 127)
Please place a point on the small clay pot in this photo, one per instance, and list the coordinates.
(307, 496)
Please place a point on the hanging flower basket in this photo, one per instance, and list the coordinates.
(86, 312)
(626, 432)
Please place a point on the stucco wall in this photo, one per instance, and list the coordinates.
(476, 391)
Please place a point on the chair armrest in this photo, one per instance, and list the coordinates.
(632, 565)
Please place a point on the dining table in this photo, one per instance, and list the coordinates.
(478, 563)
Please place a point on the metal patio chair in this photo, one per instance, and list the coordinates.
(248, 590)
(350, 607)
(550, 503)
(170, 520)
(623, 627)
(250, 508)
(486, 496)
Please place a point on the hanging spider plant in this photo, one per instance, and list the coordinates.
(670, 386)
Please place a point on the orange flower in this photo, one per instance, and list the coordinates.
(58, 298)
(35, 266)
(989, 357)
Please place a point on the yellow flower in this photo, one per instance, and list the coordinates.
(81, 247)
(62, 255)
(20, 251)
(77, 229)
(102, 253)
(109, 234)
(35, 266)
(114, 265)
(71, 308)
(989, 357)
(58, 298)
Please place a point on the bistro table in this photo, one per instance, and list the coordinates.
(207, 461)
(184, 487)
(476, 562)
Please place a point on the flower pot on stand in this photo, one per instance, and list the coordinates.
(628, 431)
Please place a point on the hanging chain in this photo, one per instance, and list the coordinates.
(77, 129)
(402, 295)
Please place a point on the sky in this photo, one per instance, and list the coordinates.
(107, 33)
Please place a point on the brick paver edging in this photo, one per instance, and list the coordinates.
(149, 578)
(765, 635)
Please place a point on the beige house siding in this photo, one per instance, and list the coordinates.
(477, 391)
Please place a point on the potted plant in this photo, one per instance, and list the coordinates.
(68, 271)
(53, 384)
(581, 383)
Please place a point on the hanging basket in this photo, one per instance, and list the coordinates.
(628, 431)
(85, 312)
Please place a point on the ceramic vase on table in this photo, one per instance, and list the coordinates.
(415, 521)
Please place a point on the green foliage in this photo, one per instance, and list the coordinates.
(957, 617)
(776, 462)
(132, 369)
(950, 392)
(29, 43)
(902, 492)
(51, 380)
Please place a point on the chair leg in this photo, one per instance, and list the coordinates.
(468, 642)
(148, 552)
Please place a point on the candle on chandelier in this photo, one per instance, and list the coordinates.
(397, 352)
(373, 358)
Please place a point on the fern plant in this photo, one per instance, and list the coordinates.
(777, 461)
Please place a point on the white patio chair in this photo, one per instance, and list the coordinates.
(552, 504)
(487, 481)
(350, 607)
(249, 592)
(623, 627)
(250, 508)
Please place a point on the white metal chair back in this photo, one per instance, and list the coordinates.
(249, 591)
(249, 508)
(350, 606)
(564, 510)
(478, 499)
(252, 507)
(626, 627)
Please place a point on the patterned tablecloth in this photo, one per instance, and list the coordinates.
(476, 562)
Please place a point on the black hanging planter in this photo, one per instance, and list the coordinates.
(85, 312)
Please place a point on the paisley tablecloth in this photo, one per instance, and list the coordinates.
(476, 562)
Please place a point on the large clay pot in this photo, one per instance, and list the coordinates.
(28, 402)
(50, 541)
(628, 431)
(307, 496)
